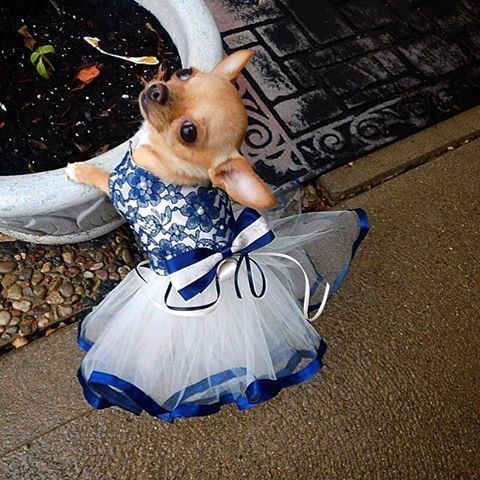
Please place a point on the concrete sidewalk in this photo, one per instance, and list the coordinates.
(397, 399)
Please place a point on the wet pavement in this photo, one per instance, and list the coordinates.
(398, 397)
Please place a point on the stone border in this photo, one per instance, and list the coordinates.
(400, 156)
(48, 208)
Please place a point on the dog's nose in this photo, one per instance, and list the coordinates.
(158, 92)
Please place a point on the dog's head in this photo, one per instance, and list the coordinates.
(197, 121)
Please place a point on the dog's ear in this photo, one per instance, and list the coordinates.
(237, 178)
(231, 66)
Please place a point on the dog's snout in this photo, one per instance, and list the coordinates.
(158, 92)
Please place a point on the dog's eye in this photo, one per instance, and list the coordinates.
(184, 73)
(188, 132)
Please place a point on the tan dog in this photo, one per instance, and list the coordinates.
(194, 126)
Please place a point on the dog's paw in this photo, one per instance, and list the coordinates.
(71, 171)
(78, 172)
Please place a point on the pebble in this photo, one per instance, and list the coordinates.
(111, 268)
(123, 271)
(102, 274)
(79, 290)
(114, 276)
(98, 257)
(68, 257)
(14, 292)
(55, 298)
(28, 292)
(65, 311)
(55, 285)
(48, 284)
(28, 326)
(42, 308)
(43, 321)
(7, 267)
(66, 289)
(22, 305)
(11, 329)
(15, 320)
(73, 271)
(40, 291)
(127, 256)
(8, 280)
(25, 273)
(74, 299)
(4, 318)
(47, 267)
(37, 278)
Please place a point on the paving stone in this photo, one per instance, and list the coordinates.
(234, 14)
(470, 40)
(368, 95)
(412, 16)
(434, 57)
(349, 48)
(267, 74)
(368, 14)
(300, 72)
(349, 77)
(302, 113)
(284, 38)
(450, 16)
(240, 40)
(323, 22)
(391, 62)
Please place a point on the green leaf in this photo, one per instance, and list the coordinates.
(44, 49)
(42, 71)
(34, 57)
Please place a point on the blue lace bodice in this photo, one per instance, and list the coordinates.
(169, 219)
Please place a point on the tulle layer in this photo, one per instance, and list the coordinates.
(142, 357)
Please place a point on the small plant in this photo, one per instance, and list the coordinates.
(41, 62)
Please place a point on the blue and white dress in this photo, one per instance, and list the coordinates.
(180, 338)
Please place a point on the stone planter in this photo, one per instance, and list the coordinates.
(47, 207)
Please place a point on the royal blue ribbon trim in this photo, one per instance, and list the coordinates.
(364, 228)
(103, 390)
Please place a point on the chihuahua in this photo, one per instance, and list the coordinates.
(194, 126)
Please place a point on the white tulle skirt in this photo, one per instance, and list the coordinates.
(142, 356)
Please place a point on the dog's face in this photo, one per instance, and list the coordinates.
(197, 122)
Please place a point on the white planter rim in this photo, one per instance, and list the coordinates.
(193, 31)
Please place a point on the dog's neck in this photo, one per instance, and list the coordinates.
(172, 170)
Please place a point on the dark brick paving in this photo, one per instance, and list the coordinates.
(335, 79)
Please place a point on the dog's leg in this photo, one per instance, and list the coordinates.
(89, 175)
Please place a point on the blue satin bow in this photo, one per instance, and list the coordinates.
(193, 271)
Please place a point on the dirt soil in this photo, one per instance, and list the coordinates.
(47, 123)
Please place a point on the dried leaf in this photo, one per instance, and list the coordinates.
(20, 342)
(81, 147)
(86, 74)
(94, 42)
(28, 40)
